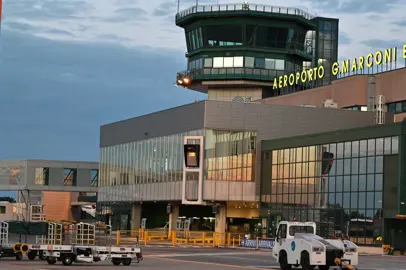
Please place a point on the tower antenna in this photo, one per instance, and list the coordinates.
(178, 6)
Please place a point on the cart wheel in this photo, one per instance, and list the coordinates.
(67, 260)
(51, 260)
(32, 254)
(19, 256)
(116, 261)
(126, 261)
(42, 257)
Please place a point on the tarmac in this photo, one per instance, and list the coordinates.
(187, 257)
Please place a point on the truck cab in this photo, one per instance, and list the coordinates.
(296, 244)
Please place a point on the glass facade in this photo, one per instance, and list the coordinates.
(338, 185)
(230, 155)
(148, 161)
(326, 46)
(256, 36)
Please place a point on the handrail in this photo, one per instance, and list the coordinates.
(242, 7)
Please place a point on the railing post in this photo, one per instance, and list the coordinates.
(173, 233)
(118, 238)
(257, 243)
(229, 239)
(145, 237)
(204, 238)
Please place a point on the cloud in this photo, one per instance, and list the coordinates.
(165, 9)
(45, 9)
(354, 6)
(128, 14)
(361, 6)
(56, 94)
(344, 38)
(126, 2)
(380, 44)
(400, 23)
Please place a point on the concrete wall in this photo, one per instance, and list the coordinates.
(56, 175)
(8, 215)
(171, 121)
(269, 121)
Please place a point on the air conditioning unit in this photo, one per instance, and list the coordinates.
(329, 103)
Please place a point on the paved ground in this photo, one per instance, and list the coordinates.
(169, 258)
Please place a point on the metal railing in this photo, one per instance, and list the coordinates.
(241, 7)
(235, 72)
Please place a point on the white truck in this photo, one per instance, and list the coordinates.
(297, 244)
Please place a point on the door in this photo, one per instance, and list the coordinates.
(273, 222)
(280, 238)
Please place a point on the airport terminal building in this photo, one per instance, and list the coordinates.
(266, 152)
(142, 161)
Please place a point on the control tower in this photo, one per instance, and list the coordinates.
(234, 51)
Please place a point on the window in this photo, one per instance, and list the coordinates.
(249, 62)
(94, 178)
(223, 35)
(69, 177)
(218, 62)
(279, 64)
(300, 229)
(269, 63)
(208, 62)
(259, 63)
(397, 107)
(2, 209)
(228, 62)
(238, 61)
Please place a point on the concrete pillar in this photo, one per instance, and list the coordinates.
(221, 219)
(136, 216)
(173, 217)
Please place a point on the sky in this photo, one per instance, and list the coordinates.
(69, 66)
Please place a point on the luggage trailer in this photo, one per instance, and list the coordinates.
(83, 248)
(69, 254)
(7, 250)
(20, 248)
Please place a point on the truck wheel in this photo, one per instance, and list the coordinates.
(126, 261)
(41, 255)
(305, 261)
(283, 261)
(67, 260)
(32, 254)
(19, 256)
(324, 267)
(116, 261)
(51, 260)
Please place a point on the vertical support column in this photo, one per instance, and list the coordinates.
(173, 217)
(221, 219)
(136, 216)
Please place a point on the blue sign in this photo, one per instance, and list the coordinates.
(293, 245)
(262, 243)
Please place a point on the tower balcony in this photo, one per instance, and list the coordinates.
(246, 9)
(195, 79)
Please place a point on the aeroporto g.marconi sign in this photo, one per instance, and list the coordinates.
(373, 59)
